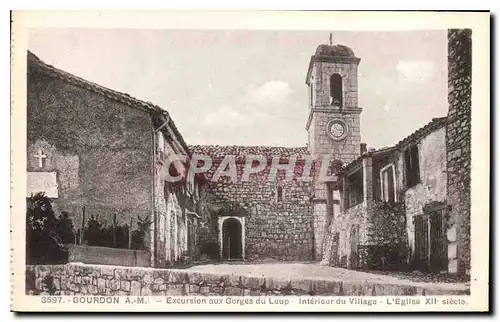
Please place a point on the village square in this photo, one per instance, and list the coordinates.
(119, 203)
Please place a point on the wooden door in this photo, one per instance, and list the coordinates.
(421, 257)
(438, 256)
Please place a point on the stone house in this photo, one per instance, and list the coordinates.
(393, 206)
(97, 152)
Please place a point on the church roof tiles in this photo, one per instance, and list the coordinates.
(242, 151)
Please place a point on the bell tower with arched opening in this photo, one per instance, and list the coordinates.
(333, 124)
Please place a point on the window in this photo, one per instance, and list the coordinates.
(279, 194)
(412, 166)
(161, 142)
(353, 193)
(336, 90)
(387, 183)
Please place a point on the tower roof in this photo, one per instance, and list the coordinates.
(332, 54)
(334, 51)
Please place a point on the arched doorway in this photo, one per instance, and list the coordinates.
(354, 240)
(232, 247)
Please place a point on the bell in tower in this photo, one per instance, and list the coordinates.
(336, 92)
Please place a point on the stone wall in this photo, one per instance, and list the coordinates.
(320, 79)
(273, 229)
(86, 280)
(320, 143)
(458, 139)
(353, 217)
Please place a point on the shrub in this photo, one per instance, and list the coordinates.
(98, 233)
(388, 236)
(44, 244)
(94, 232)
(140, 233)
(210, 250)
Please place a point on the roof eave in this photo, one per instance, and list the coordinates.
(114, 95)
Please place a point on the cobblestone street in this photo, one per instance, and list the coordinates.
(313, 271)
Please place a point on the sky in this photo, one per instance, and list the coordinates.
(237, 87)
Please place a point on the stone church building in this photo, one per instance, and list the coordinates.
(107, 151)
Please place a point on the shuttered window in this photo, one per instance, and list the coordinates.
(387, 183)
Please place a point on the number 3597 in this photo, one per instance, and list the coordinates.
(51, 299)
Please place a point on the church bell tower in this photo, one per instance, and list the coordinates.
(333, 125)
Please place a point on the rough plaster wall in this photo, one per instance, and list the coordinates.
(67, 168)
(432, 188)
(101, 149)
(458, 139)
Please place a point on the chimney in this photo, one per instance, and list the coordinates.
(362, 148)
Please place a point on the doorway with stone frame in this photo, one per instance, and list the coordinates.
(232, 238)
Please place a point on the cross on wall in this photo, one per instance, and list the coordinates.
(40, 156)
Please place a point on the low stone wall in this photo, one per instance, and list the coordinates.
(81, 279)
(108, 256)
